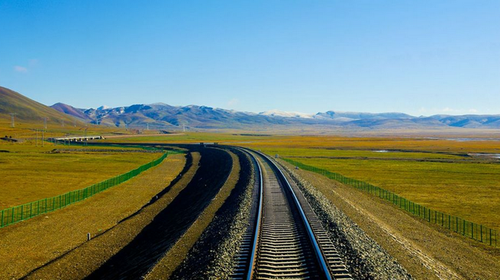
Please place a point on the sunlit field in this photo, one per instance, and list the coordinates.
(30, 173)
(445, 175)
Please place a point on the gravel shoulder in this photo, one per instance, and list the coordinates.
(213, 255)
(424, 250)
(48, 240)
(174, 257)
(364, 258)
(142, 253)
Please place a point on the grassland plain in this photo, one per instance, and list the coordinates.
(174, 257)
(427, 251)
(436, 172)
(30, 173)
(394, 143)
(27, 130)
(379, 143)
(60, 244)
(440, 174)
(466, 190)
(196, 137)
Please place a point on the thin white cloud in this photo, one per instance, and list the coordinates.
(33, 62)
(20, 69)
(233, 102)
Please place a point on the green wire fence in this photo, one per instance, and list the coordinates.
(29, 210)
(466, 228)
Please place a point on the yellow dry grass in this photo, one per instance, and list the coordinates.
(378, 143)
(427, 251)
(269, 141)
(26, 130)
(466, 190)
(30, 173)
(434, 171)
(30, 244)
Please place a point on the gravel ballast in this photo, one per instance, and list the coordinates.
(364, 258)
(212, 257)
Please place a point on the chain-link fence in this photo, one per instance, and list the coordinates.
(473, 230)
(29, 210)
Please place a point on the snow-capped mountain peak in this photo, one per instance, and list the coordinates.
(278, 113)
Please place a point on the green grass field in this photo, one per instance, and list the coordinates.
(467, 190)
(438, 175)
(195, 137)
(30, 173)
(338, 153)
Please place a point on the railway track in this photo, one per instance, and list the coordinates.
(285, 239)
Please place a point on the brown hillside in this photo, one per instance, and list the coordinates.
(27, 109)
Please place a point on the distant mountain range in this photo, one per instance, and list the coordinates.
(166, 117)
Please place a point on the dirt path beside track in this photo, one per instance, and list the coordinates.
(177, 254)
(144, 251)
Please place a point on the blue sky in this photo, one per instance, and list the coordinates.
(418, 57)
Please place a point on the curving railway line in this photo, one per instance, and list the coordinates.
(285, 239)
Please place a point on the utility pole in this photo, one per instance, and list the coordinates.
(85, 136)
(43, 137)
(45, 122)
(147, 126)
(12, 119)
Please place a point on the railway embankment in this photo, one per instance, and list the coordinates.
(213, 254)
(137, 258)
(365, 258)
(425, 251)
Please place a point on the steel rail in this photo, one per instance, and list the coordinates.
(253, 251)
(312, 238)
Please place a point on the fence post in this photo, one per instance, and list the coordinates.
(22, 212)
(481, 232)
(461, 226)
